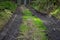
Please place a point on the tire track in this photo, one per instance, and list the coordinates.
(11, 30)
(52, 24)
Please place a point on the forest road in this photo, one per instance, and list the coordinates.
(11, 29)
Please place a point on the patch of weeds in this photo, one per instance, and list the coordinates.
(8, 5)
(27, 12)
(32, 28)
(56, 13)
(4, 17)
(6, 9)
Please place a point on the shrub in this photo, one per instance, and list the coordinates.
(7, 5)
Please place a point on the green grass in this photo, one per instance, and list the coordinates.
(56, 13)
(8, 4)
(32, 25)
(36, 21)
(4, 17)
(53, 10)
(27, 13)
(6, 9)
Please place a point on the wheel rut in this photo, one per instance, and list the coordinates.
(51, 23)
(11, 29)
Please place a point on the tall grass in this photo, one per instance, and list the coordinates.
(6, 9)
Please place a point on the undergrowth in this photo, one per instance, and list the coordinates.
(6, 10)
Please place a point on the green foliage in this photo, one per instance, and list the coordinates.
(33, 25)
(56, 13)
(7, 5)
(4, 17)
(51, 7)
(45, 5)
(4, 0)
(27, 13)
(5, 14)
(40, 3)
(6, 9)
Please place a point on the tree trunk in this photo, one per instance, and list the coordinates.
(24, 2)
(19, 2)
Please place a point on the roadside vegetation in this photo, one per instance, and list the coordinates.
(50, 7)
(6, 10)
(56, 13)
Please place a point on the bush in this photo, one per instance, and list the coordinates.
(7, 5)
(6, 9)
